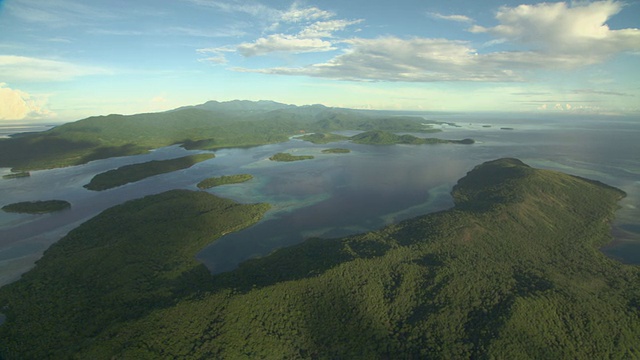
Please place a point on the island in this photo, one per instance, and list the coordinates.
(17, 175)
(323, 138)
(378, 137)
(136, 172)
(511, 271)
(288, 157)
(37, 207)
(209, 126)
(336, 151)
(223, 180)
(507, 128)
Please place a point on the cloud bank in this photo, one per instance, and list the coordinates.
(19, 105)
(547, 36)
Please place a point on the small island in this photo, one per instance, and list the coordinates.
(136, 172)
(386, 138)
(506, 128)
(37, 207)
(223, 180)
(288, 157)
(17, 175)
(336, 151)
(323, 138)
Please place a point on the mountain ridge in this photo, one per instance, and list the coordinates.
(507, 275)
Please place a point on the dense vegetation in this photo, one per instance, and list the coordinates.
(288, 157)
(223, 180)
(37, 207)
(17, 175)
(336, 151)
(136, 172)
(378, 137)
(323, 138)
(122, 266)
(513, 271)
(209, 126)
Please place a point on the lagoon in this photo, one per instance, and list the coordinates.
(338, 194)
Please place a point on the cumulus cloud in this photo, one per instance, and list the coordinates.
(19, 105)
(22, 68)
(557, 29)
(545, 36)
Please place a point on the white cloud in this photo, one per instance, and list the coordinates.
(297, 14)
(325, 29)
(458, 18)
(394, 59)
(314, 31)
(283, 43)
(22, 68)
(19, 105)
(549, 36)
(557, 29)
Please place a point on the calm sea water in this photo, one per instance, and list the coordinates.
(339, 194)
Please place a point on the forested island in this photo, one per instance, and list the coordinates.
(37, 207)
(378, 137)
(223, 180)
(289, 157)
(511, 271)
(17, 175)
(136, 172)
(209, 126)
(336, 151)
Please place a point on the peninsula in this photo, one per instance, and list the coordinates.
(136, 172)
(511, 271)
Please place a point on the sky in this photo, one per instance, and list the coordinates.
(64, 60)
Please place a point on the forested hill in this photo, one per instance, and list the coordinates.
(513, 271)
(208, 126)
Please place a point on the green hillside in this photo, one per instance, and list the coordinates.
(513, 271)
(211, 125)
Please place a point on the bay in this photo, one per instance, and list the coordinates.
(339, 194)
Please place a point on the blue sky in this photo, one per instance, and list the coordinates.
(64, 60)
